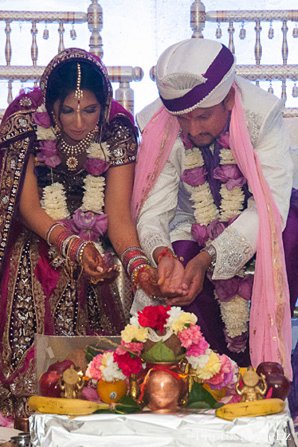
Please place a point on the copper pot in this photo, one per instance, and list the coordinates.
(164, 388)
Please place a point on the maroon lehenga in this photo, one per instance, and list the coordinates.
(37, 297)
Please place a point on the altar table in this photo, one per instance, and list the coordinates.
(161, 430)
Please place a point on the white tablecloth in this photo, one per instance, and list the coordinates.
(159, 430)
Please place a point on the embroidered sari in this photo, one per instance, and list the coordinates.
(37, 297)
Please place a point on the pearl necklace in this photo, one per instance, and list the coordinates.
(73, 151)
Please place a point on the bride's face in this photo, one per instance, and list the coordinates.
(77, 117)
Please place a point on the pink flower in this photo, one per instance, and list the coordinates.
(89, 393)
(154, 317)
(238, 343)
(197, 350)
(186, 141)
(224, 140)
(226, 289)
(48, 153)
(133, 347)
(225, 376)
(42, 119)
(215, 228)
(6, 421)
(89, 225)
(199, 233)
(230, 175)
(192, 339)
(190, 335)
(195, 176)
(96, 166)
(93, 369)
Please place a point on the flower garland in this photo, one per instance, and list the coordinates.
(211, 220)
(88, 221)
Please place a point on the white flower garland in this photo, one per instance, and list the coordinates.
(54, 198)
(235, 312)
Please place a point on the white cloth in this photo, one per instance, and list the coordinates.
(159, 430)
(167, 214)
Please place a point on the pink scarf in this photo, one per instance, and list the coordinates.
(158, 139)
(270, 328)
(270, 319)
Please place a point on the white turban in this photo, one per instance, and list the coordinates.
(194, 73)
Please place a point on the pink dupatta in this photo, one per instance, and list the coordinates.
(158, 139)
(270, 319)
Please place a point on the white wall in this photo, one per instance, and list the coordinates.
(135, 32)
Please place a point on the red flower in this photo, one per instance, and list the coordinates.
(154, 317)
(128, 364)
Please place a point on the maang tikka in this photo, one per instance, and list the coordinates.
(78, 92)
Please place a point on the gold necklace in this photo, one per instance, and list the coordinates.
(73, 151)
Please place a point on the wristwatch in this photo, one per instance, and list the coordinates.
(211, 250)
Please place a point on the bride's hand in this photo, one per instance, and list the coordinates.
(147, 281)
(97, 267)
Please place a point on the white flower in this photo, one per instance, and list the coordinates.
(43, 133)
(235, 315)
(99, 150)
(53, 201)
(231, 202)
(93, 198)
(201, 360)
(109, 368)
(203, 204)
(226, 157)
(193, 159)
(179, 319)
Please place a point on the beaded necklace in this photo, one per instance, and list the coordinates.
(73, 151)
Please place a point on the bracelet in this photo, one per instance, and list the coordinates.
(61, 238)
(166, 252)
(65, 245)
(131, 263)
(128, 250)
(135, 274)
(80, 250)
(131, 257)
(72, 247)
(51, 229)
(211, 250)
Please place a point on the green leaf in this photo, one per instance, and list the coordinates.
(159, 352)
(198, 395)
(127, 405)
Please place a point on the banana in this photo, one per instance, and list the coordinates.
(61, 405)
(254, 408)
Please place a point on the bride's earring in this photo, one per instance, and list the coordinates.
(57, 128)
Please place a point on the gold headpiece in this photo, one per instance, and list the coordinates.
(78, 91)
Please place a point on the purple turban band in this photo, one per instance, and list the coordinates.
(214, 75)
